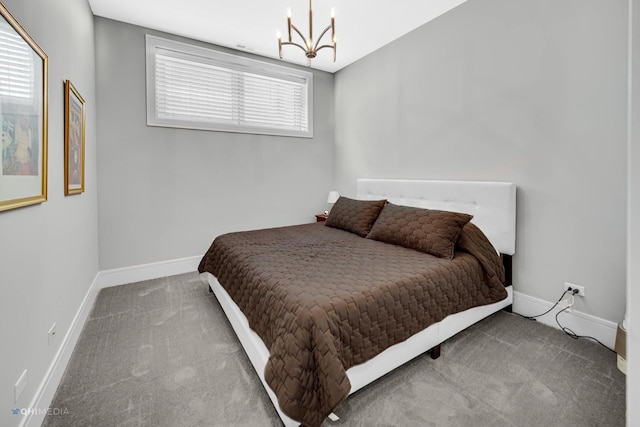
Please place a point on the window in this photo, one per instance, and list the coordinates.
(197, 88)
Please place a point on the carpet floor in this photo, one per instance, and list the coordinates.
(162, 353)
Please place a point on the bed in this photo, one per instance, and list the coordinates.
(364, 303)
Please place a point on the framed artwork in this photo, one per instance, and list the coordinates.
(23, 116)
(73, 140)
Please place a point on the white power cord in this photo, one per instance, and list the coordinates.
(567, 303)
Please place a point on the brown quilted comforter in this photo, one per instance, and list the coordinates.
(324, 300)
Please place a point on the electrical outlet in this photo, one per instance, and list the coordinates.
(570, 286)
(19, 386)
(52, 334)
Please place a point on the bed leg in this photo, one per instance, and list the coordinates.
(435, 352)
(509, 308)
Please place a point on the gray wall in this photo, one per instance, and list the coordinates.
(165, 193)
(532, 92)
(633, 279)
(49, 252)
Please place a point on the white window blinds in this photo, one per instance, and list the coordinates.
(193, 87)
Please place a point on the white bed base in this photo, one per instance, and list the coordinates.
(493, 207)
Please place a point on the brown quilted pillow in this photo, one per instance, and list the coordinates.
(431, 231)
(356, 216)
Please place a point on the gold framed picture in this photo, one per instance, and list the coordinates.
(73, 140)
(23, 116)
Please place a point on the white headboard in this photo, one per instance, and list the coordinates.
(492, 204)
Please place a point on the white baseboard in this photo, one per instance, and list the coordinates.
(47, 389)
(580, 323)
(137, 273)
(104, 279)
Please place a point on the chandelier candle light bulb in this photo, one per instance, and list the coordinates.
(333, 24)
(308, 46)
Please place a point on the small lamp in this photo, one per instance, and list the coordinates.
(332, 198)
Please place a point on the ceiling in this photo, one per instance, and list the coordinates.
(251, 25)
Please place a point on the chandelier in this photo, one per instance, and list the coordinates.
(310, 49)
